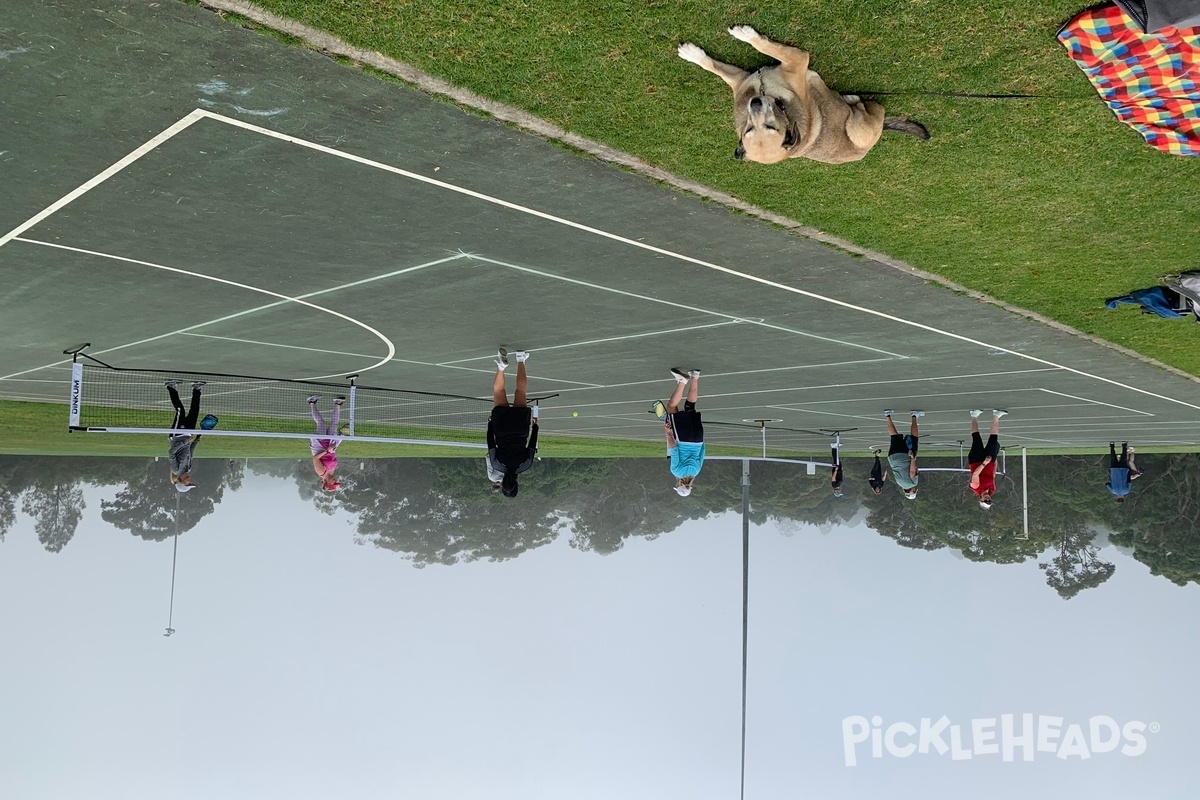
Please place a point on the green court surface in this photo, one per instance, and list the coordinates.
(188, 195)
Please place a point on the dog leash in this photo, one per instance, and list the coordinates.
(973, 96)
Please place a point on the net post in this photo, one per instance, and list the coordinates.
(76, 399)
(353, 392)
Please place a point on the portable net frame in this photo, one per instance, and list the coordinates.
(108, 399)
(764, 435)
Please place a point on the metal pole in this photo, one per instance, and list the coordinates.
(745, 602)
(174, 558)
(353, 392)
(1025, 489)
(763, 424)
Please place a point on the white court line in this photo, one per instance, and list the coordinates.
(254, 310)
(391, 348)
(350, 285)
(448, 365)
(892, 398)
(607, 340)
(651, 248)
(277, 344)
(819, 386)
(78, 192)
(731, 317)
(1094, 402)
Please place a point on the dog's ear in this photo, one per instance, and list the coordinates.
(740, 153)
(791, 138)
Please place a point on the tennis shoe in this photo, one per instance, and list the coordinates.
(679, 375)
(172, 384)
(916, 413)
(522, 356)
(976, 413)
(502, 356)
(337, 401)
(313, 398)
(889, 412)
(694, 373)
(998, 412)
(198, 384)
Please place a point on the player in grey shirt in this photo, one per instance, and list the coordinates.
(182, 447)
(902, 454)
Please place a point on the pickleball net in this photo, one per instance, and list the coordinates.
(109, 399)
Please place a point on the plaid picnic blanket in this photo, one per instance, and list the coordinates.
(1150, 81)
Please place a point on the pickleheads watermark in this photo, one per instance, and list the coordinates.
(1006, 736)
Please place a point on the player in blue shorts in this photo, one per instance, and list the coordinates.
(685, 431)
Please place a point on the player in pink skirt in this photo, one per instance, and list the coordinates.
(324, 451)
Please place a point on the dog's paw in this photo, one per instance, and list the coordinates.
(743, 32)
(690, 52)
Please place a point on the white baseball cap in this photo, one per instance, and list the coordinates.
(683, 491)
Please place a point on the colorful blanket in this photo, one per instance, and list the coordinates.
(1150, 81)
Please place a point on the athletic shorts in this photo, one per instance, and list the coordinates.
(510, 425)
(686, 425)
(899, 444)
(979, 452)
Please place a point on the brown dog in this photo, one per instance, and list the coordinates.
(787, 111)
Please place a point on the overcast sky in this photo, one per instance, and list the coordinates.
(306, 666)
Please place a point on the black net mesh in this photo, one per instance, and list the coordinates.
(129, 398)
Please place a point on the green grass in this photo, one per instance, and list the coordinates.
(1049, 204)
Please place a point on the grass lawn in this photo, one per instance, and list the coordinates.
(1047, 203)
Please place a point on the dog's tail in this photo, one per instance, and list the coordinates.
(902, 125)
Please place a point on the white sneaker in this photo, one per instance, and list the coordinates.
(976, 413)
(889, 412)
(522, 356)
(502, 356)
(916, 413)
(313, 398)
(998, 412)
(679, 375)
(337, 401)
(500, 365)
(694, 373)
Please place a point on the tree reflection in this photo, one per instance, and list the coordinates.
(444, 511)
(146, 505)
